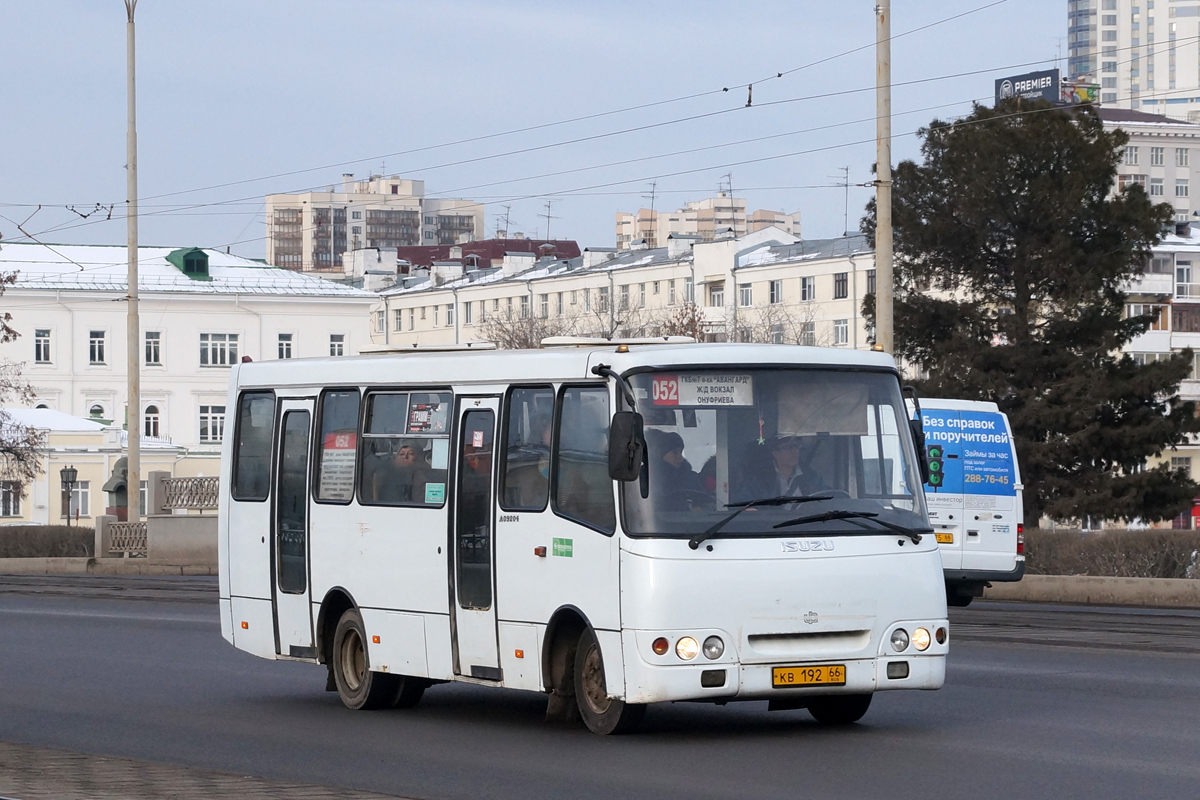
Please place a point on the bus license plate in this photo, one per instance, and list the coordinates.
(944, 538)
(817, 675)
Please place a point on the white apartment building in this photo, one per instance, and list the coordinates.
(308, 232)
(200, 311)
(704, 218)
(765, 286)
(1145, 54)
(1162, 154)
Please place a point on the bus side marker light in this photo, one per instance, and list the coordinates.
(374, 640)
(540, 551)
(520, 654)
(660, 646)
(245, 626)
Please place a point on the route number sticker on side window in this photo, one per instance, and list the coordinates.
(702, 389)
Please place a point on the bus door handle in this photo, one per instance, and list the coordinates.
(972, 533)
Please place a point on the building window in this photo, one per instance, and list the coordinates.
(1131, 152)
(80, 504)
(1157, 154)
(449, 315)
(808, 334)
(154, 348)
(543, 305)
(212, 423)
(96, 411)
(840, 286)
(716, 295)
(745, 295)
(41, 346)
(428, 234)
(412, 319)
(380, 321)
(96, 347)
(1181, 187)
(1109, 66)
(337, 344)
(356, 230)
(671, 292)
(625, 297)
(422, 312)
(776, 292)
(841, 331)
(656, 287)
(218, 349)
(870, 281)
(355, 215)
(642, 295)
(689, 290)
(10, 499)
(560, 304)
(467, 319)
(524, 306)
(150, 421)
(603, 302)
(1156, 187)
(1182, 463)
(808, 289)
(1158, 312)
(1181, 157)
(285, 345)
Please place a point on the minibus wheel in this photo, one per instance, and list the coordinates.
(839, 709)
(357, 685)
(601, 713)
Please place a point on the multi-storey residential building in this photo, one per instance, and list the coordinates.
(765, 286)
(200, 310)
(309, 232)
(707, 219)
(1162, 154)
(1142, 53)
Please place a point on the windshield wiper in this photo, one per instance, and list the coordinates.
(828, 516)
(782, 500)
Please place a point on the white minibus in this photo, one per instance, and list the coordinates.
(613, 524)
(974, 495)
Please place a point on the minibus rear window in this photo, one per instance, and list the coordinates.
(252, 446)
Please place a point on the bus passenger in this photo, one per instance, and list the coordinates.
(671, 473)
(403, 481)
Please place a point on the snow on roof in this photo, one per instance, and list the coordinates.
(104, 268)
(804, 250)
(47, 419)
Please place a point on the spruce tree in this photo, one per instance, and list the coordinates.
(1012, 252)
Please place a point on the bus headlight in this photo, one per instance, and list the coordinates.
(687, 648)
(921, 639)
(900, 640)
(713, 647)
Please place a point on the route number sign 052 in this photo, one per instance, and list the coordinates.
(705, 389)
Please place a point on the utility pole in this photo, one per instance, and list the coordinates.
(133, 427)
(653, 220)
(883, 176)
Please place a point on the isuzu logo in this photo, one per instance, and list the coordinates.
(810, 618)
(807, 545)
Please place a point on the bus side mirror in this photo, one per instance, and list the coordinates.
(626, 445)
(918, 434)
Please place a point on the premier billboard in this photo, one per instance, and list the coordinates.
(1042, 85)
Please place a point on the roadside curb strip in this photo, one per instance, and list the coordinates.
(96, 566)
(1091, 590)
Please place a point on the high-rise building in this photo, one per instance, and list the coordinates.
(309, 232)
(707, 219)
(1144, 57)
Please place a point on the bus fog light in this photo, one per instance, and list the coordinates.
(940, 635)
(687, 648)
(921, 639)
(713, 647)
(660, 646)
(899, 640)
(897, 670)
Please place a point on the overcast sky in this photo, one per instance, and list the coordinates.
(236, 91)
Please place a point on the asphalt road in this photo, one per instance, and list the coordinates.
(1039, 702)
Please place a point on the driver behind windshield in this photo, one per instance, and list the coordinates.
(782, 476)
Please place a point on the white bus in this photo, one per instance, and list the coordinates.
(413, 518)
(974, 495)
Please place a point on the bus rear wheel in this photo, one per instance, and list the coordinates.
(357, 685)
(839, 709)
(602, 714)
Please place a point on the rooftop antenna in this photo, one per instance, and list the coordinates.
(548, 216)
(507, 209)
(653, 222)
(845, 184)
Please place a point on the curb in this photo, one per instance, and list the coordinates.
(1090, 590)
(97, 566)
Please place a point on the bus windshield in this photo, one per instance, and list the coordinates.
(721, 438)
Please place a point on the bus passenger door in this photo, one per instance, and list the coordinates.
(472, 527)
(289, 537)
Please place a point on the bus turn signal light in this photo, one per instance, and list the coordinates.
(374, 640)
(245, 626)
(520, 654)
(661, 645)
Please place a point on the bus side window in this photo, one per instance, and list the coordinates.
(525, 480)
(338, 445)
(252, 446)
(582, 489)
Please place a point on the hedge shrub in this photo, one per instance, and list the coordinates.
(46, 541)
(1114, 553)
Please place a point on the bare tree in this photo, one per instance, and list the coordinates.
(19, 445)
(516, 331)
(685, 320)
(778, 323)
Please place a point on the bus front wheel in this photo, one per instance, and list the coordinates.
(602, 714)
(357, 685)
(839, 709)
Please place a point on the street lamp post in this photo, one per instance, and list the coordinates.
(68, 475)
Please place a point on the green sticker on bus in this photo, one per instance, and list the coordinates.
(435, 492)
(562, 547)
